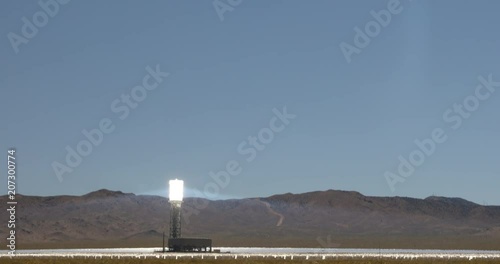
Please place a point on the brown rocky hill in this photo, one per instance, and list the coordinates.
(317, 219)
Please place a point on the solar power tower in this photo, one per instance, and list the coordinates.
(176, 193)
(176, 243)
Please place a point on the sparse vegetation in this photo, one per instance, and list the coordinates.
(251, 260)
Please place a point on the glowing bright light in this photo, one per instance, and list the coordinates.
(175, 190)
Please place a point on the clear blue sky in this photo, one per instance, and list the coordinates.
(352, 121)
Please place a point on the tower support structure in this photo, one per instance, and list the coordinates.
(175, 219)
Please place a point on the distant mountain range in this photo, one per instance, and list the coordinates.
(316, 219)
